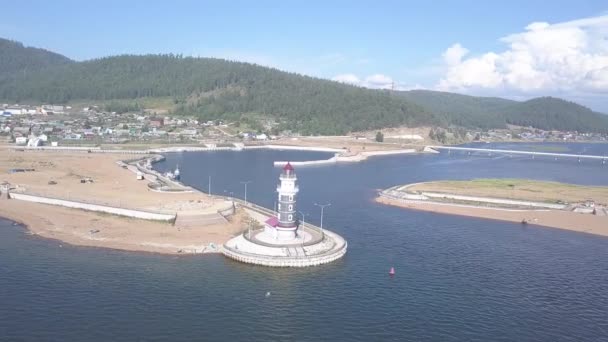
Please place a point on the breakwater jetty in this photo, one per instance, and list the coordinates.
(343, 157)
(531, 153)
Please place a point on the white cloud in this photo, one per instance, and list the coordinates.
(453, 55)
(375, 81)
(568, 57)
(347, 78)
(379, 81)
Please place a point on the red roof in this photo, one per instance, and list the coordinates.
(272, 221)
(288, 167)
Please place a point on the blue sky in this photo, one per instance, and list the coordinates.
(367, 43)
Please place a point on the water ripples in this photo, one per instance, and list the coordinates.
(458, 279)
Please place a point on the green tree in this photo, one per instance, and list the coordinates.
(379, 136)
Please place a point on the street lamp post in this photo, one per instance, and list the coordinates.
(322, 206)
(301, 213)
(245, 183)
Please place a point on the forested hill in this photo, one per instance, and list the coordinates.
(214, 89)
(553, 113)
(547, 113)
(16, 58)
(462, 110)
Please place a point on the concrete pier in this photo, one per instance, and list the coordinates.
(315, 247)
(332, 247)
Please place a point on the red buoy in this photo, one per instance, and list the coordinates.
(392, 271)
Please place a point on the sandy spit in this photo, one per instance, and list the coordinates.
(567, 220)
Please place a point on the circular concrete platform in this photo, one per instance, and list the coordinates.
(314, 248)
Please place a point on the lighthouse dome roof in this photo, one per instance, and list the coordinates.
(288, 167)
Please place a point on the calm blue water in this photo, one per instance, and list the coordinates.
(458, 279)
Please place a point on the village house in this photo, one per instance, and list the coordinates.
(157, 122)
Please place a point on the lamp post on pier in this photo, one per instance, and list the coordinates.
(245, 183)
(303, 223)
(301, 213)
(322, 206)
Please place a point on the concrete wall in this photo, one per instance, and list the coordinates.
(94, 207)
(93, 149)
(227, 211)
(284, 262)
(495, 200)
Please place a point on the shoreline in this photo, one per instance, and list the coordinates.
(59, 228)
(81, 227)
(200, 225)
(557, 216)
(548, 219)
(25, 229)
(344, 150)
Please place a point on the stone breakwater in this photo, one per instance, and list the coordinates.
(158, 182)
(344, 158)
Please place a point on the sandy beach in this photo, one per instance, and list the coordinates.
(113, 186)
(567, 220)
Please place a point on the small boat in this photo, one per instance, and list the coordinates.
(392, 271)
(176, 173)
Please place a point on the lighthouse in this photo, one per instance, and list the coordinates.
(284, 227)
(284, 242)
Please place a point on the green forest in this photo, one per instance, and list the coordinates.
(548, 113)
(218, 89)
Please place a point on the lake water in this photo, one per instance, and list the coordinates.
(458, 278)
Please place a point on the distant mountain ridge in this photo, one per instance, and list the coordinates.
(548, 113)
(213, 89)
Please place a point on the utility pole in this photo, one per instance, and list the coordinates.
(322, 206)
(245, 183)
(301, 213)
(303, 223)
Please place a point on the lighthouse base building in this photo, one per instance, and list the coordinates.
(283, 240)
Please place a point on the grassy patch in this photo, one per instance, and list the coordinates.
(522, 189)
